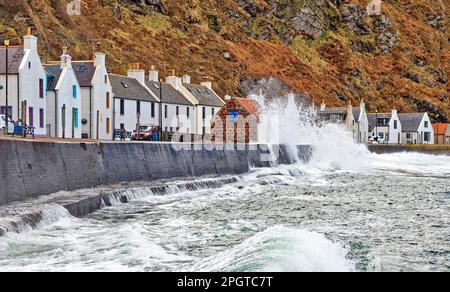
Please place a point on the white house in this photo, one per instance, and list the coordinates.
(209, 104)
(205, 103)
(64, 104)
(26, 84)
(97, 97)
(133, 102)
(386, 126)
(178, 112)
(361, 124)
(416, 128)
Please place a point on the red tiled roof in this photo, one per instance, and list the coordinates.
(439, 129)
(252, 106)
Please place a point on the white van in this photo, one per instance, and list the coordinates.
(3, 124)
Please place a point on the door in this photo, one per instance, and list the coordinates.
(63, 121)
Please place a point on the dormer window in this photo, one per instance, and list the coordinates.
(81, 68)
(426, 124)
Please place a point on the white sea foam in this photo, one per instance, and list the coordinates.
(281, 249)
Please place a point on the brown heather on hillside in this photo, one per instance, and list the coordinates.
(329, 49)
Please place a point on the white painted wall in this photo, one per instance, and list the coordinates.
(184, 122)
(394, 133)
(67, 126)
(426, 127)
(130, 117)
(208, 118)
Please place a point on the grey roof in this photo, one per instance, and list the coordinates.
(373, 119)
(169, 93)
(204, 95)
(356, 113)
(15, 57)
(129, 88)
(410, 122)
(84, 70)
(55, 72)
(334, 110)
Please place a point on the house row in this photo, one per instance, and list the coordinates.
(386, 128)
(81, 99)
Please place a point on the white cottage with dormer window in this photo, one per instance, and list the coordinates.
(64, 104)
(26, 84)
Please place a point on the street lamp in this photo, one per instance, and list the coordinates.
(6, 89)
(160, 109)
(376, 125)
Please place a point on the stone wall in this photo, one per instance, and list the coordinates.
(425, 149)
(32, 169)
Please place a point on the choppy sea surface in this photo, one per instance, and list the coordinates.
(390, 213)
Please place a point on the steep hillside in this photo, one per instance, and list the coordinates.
(329, 49)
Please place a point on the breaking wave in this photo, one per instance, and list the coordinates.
(281, 249)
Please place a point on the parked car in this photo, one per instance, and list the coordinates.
(3, 124)
(145, 133)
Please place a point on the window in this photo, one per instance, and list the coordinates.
(41, 88)
(122, 107)
(106, 79)
(177, 111)
(427, 137)
(204, 131)
(75, 118)
(381, 135)
(171, 129)
(138, 107)
(29, 65)
(426, 124)
(31, 116)
(204, 112)
(41, 118)
(166, 129)
(395, 124)
(108, 126)
(124, 84)
(122, 126)
(165, 111)
(213, 111)
(187, 112)
(153, 109)
(81, 68)
(408, 135)
(74, 91)
(108, 101)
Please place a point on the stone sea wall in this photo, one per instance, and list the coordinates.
(29, 169)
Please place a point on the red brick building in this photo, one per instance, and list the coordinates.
(236, 122)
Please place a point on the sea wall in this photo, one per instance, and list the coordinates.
(31, 169)
(425, 149)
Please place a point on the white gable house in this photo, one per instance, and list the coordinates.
(177, 111)
(133, 102)
(416, 128)
(26, 84)
(64, 104)
(386, 126)
(97, 97)
(361, 124)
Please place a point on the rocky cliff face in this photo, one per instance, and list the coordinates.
(328, 49)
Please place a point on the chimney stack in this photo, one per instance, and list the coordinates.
(99, 56)
(206, 82)
(30, 41)
(136, 72)
(153, 74)
(323, 105)
(186, 79)
(66, 59)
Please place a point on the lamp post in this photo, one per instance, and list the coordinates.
(6, 88)
(160, 109)
(376, 125)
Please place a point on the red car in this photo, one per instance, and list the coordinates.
(145, 133)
